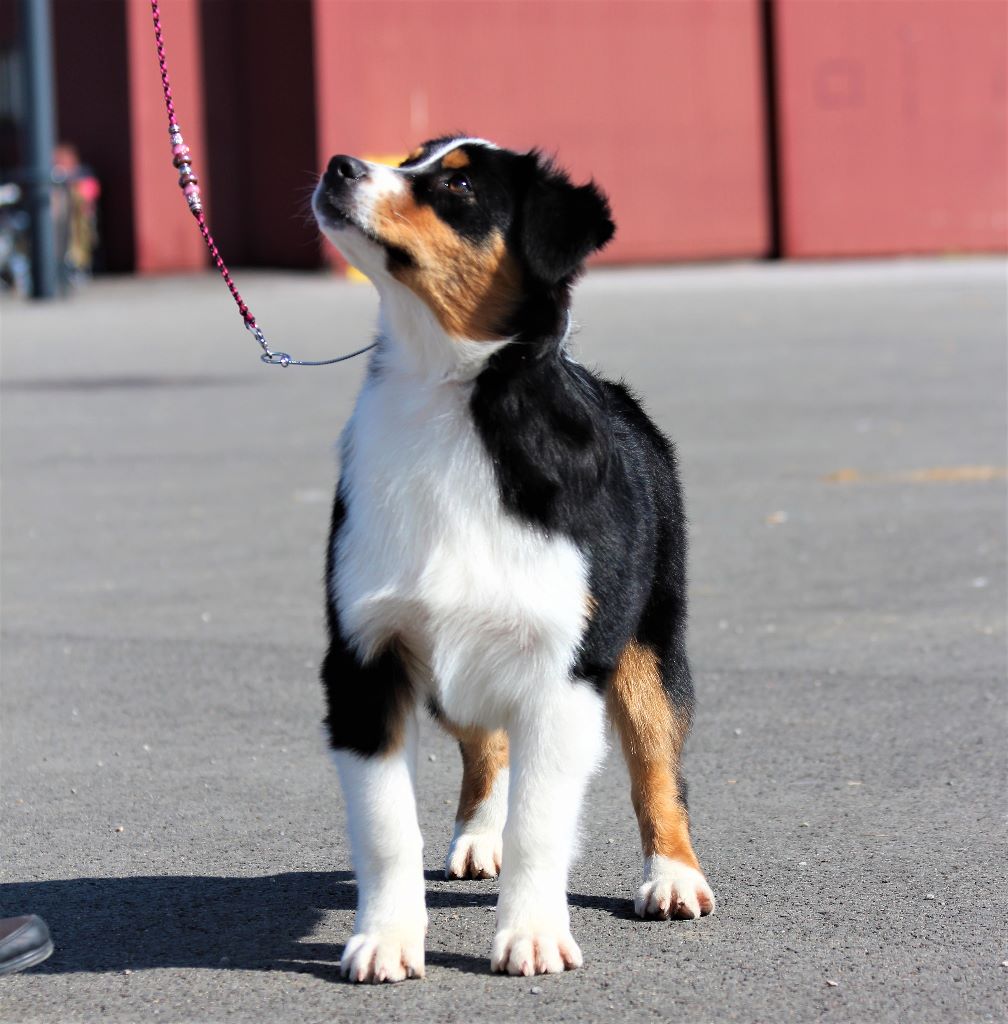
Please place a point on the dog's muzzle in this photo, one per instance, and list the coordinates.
(333, 199)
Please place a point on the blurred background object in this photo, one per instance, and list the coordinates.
(48, 199)
(721, 128)
(72, 194)
(35, 174)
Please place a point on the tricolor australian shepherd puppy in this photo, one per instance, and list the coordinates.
(507, 550)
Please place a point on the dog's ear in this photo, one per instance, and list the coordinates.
(562, 223)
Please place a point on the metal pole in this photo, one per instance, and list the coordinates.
(40, 136)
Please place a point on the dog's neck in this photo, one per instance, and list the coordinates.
(412, 342)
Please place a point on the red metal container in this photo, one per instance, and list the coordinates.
(892, 125)
(165, 236)
(662, 103)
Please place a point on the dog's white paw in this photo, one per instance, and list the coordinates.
(517, 951)
(474, 855)
(673, 889)
(388, 954)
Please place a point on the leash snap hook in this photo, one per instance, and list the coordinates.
(269, 357)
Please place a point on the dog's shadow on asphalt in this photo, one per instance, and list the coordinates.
(148, 922)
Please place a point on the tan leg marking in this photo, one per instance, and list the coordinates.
(484, 754)
(652, 737)
(477, 845)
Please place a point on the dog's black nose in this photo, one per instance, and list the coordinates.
(346, 168)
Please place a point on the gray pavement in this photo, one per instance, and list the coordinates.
(166, 800)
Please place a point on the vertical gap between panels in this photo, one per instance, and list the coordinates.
(772, 137)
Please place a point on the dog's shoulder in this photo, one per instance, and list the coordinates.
(562, 438)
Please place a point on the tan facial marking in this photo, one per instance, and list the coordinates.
(652, 737)
(415, 155)
(470, 287)
(484, 754)
(455, 159)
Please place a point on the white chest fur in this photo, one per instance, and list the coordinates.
(493, 608)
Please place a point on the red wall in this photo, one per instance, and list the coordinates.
(260, 128)
(165, 234)
(888, 132)
(892, 118)
(660, 102)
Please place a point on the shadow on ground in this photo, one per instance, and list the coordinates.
(147, 922)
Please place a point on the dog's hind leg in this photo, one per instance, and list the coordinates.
(475, 850)
(652, 716)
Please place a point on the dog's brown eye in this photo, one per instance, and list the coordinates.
(459, 184)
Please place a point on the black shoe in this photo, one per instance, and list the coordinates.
(24, 942)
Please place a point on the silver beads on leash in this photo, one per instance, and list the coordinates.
(182, 160)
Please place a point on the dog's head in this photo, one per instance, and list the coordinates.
(474, 231)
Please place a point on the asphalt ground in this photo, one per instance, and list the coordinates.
(166, 800)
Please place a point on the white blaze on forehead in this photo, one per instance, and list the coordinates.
(382, 180)
(444, 150)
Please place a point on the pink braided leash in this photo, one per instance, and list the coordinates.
(189, 183)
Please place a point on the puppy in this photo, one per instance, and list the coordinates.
(507, 549)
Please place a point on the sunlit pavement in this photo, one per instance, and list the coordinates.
(167, 804)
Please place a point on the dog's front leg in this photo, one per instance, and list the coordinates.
(555, 747)
(386, 847)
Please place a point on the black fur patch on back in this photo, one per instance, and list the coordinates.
(576, 455)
